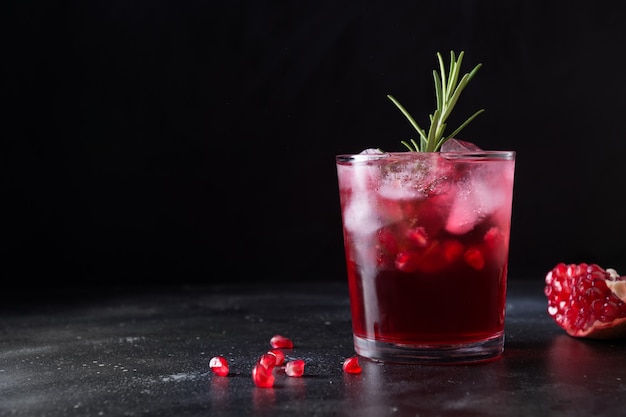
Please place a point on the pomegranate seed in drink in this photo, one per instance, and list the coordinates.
(281, 342)
(494, 237)
(407, 261)
(474, 258)
(262, 377)
(452, 249)
(351, 365)
(418, 236)
(280, 356)
(295, 368)
(219, 365)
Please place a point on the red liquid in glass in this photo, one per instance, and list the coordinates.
(415, 276)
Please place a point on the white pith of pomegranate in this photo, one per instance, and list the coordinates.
(587, 300)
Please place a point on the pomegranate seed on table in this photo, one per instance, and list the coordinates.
(219, 365)
(268, 360)
(351, 365)
(263, 370)
(262, 377)
(281, 342)
(295, 368)
(280, 356)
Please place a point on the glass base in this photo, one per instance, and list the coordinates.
(485, 350)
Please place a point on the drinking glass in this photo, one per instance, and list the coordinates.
(426, 238)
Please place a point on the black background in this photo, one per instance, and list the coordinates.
(194, 141)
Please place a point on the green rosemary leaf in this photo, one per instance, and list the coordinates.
(465, 123)
(408, 116)
(455, 68)
(448, 89)
(443, 83)
(440, 92)
(413, 147)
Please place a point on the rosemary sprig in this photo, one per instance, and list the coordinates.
(448, 88)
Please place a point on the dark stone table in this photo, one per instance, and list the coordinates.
(145, 352)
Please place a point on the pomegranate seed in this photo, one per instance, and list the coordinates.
(281, 342)
(494, 237)
(268, 360)
(262, 377)
(596, 307)
(351, 365)
(219, 365)
(418, 236)
(280, 356)
(609, 312)
(452, 249)
(407, 261)
(295, 368)
(474, 258)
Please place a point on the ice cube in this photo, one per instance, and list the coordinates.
(402, 185)
(482, 194)
(456, 145)
(414, 178)
(360, 217)
(371, 151)
(466, 210)
(358, 183)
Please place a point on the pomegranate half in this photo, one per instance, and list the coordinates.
(587, 300)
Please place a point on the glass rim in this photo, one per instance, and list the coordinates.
(466, 155)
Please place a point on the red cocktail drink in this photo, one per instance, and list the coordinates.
(426, 241)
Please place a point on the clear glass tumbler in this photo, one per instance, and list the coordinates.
(426, 243)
